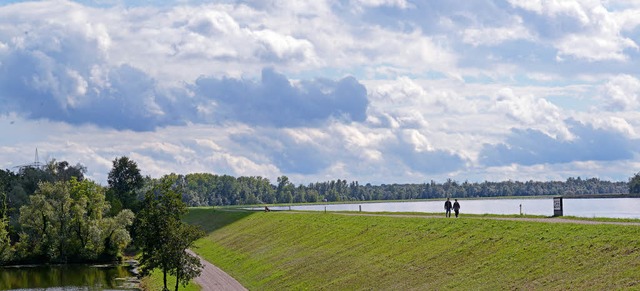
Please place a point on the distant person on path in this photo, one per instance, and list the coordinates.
(447, 208)
(456, 207)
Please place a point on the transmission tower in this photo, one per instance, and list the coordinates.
(36, 163)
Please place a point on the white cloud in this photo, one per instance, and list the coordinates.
(596, 36)
(497, 35)
(615, 123)
(402, 4)
(622, 92)
(531, 112)
(446, 85)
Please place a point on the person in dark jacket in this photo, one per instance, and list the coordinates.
(447, 208)
(456, 207)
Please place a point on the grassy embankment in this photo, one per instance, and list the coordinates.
(325, 251)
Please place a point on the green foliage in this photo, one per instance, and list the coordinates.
(634, 184)
(64, 222)
(63, 171)
(212, 190)
(317, 251)
(5, 242)
(163, 237)
(285, 190)
(124, 181)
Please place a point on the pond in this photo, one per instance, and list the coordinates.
(591, 207)
(66, 277)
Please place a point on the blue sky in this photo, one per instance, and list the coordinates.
(379, 91)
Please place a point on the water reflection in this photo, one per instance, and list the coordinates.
(592, 207)
(64, 277)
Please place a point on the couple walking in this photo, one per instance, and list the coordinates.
(448, 206)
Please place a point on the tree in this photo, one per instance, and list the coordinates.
(5, 242)
(284, 192)
(124, 181)
(62, 171)
(185, 266)
(634, 184)
(64, 222)
(163, 237)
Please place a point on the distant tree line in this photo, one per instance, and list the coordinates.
(205, 189)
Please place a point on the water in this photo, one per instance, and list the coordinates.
(65, 277)
(592, 207)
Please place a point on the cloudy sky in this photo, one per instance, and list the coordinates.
(379, 91)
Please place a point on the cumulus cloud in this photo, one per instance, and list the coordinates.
(275, 100)
(622, 93)
(414, 150)
(532, 112)
(376, 90)
(530, 147)
(582, 29)
(496, 35)
(64, 71)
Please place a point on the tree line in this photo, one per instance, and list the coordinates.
(204, 189)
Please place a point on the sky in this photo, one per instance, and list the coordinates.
(377, 91)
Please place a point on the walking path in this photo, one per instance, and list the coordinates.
(213, 278)
(531, 219)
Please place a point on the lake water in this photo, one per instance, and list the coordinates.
(65, 277)
(591, 207)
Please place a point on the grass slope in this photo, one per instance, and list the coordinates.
(325, 251)
(154, 282)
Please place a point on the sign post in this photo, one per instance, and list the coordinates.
(557, 206)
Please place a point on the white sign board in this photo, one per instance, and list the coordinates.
(557, 203)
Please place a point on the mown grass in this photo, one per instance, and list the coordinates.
(154, 282)
(325, 251)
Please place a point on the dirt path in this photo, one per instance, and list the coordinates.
(213, 278)
(546, 220)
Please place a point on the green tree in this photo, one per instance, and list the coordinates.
(124, 182)
(63, 171)
(45, 220)
(163, 237)
(64, 222)
(5, 242)
(114, 235)
(185, 265)
(284, 192)
(634, 184)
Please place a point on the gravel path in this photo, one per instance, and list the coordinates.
(213, 278)
(546, 220)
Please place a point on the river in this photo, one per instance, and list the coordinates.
(591, 207)
(65, 277)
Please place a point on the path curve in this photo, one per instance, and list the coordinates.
(213, 278)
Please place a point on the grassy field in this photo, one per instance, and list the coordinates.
(155, 283)
(325, 251)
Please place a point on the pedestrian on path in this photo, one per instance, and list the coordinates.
(447, 208)
(456, 207)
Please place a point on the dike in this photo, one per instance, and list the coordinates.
(332, 251)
